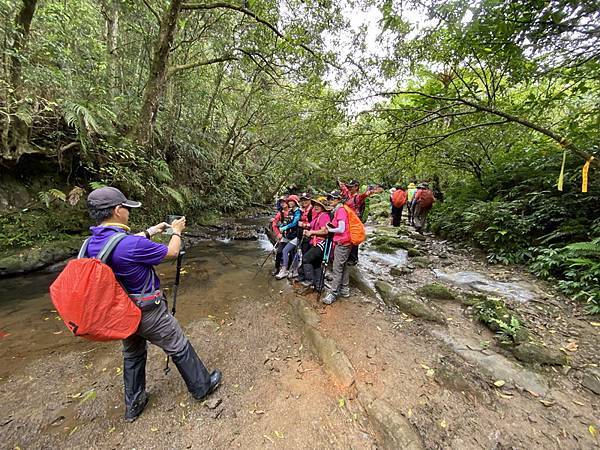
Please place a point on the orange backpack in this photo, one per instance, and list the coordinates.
(426, 198)
(357, 231)
(399, 198)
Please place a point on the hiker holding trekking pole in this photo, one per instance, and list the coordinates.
(132, 261)
(315, 236)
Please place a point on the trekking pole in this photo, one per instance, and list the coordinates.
(175, 288)
(324, 263)
(267, 258)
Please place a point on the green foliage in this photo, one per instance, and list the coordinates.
(577, 269)
(498, 318)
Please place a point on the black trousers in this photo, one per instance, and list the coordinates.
(311, 264)
(396, 215)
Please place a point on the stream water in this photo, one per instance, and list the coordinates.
(215, 275)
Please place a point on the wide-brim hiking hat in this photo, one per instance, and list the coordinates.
(305, 196)
(293, 198)
(321, 202)
(107, 197)
(412, 185)
(352, 183)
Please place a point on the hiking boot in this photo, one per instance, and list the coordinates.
(282, 274)
(293, 274)
(133, 412)
(345, 293)
(215, 382)
(306, 283)
(329, 299)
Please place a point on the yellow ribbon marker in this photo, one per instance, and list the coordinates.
(584, 175)
(561, 177)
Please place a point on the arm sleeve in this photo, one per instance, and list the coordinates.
(344, 190)
(340, 228)
(294, 222)
(149, 252)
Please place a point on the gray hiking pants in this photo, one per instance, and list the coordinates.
(341, 275)
(162, 329)
(420, 216)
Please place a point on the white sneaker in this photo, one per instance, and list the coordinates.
(282, 274)
(329, 299)
(293, 274)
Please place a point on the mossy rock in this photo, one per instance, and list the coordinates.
(407, 303)
(497, 317)
(29, 260)
(436, 291)
(472, 299)
(400, 271)
(414, 252)
(420, 262)
(530, 352)
(391, 241)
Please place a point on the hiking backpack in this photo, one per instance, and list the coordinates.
(356, 228)
(90, 300)
(426, 198)
(399, 198)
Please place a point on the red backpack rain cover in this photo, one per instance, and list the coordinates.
(399, 198)
(426, 198)
(91, 302)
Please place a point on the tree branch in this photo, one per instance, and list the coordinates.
(152, 10)
(174, 69)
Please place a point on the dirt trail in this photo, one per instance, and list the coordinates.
(60, 392)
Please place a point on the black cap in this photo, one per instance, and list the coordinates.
(334, 194)
(352, 183)
(107, 197)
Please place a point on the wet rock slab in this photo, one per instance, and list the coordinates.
(407, 303)
(520, 291)
(591, 379)
(530, 352)
(493, 365)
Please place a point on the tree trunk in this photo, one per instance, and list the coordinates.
(16, 138)
(158, 71)
(111, 13)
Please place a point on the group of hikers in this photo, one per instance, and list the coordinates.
(315, 232)
(112, 291)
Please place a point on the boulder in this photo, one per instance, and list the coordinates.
(530, 352)
(407, 303)
(591, 379)
(436, 291)
(29, 260)
(497, 317)
(420, 262)
(358, 279)
(394, 242)
(401, 271)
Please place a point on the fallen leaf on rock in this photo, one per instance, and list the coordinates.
(111, 430)
(268, 438)
(595, 324)
(571, 346)
(430, 372)
(547, 403)
(153, 429)
(89, 395)
(593, 430)
(4, 334)
(506, 396)
(278, 434)
(425, 366)
(341, 402)
(499, 383)
(56, 332)
(73, 430)
(444, 424)
(578, 403)
(75, 395)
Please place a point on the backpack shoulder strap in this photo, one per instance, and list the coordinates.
(110, 246)
(83, 248)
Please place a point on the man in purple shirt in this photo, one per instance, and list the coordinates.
(132, 262)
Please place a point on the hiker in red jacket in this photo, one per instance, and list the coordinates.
(422, 204)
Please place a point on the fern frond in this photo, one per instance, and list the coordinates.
(591, 248)
(176, 195)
